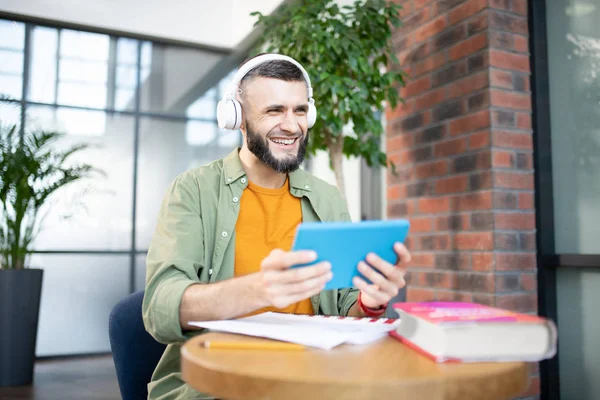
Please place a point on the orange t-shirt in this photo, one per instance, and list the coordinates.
(267, 220)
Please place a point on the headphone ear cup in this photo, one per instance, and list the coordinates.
(229, 114)
(311, 115)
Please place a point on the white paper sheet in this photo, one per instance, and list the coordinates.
(314, 331)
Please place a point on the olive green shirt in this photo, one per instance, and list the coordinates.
(194, 242)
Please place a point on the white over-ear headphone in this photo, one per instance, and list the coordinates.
(229, 110)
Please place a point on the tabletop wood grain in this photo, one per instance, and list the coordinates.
(386, 369)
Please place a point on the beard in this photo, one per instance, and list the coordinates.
(259, 146)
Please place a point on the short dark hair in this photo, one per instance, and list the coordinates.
(276, 69)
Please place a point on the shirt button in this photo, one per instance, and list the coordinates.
(210, 271)
(243, 180)
(224, 234)
(235, 199)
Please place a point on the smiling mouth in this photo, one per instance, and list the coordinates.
(284, 142)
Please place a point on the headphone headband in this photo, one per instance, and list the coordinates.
(248, 66)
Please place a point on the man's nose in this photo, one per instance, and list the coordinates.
(289, 122)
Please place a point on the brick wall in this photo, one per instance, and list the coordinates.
(462, 143)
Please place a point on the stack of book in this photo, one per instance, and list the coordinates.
(468, 332)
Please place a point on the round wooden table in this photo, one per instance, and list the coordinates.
(386, 369)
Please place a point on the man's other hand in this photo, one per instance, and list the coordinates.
(386, 281)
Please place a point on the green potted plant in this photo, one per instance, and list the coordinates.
(31, 170)
(347, 52)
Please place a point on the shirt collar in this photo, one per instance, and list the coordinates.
(300, 180)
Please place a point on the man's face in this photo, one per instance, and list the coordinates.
(275, 122)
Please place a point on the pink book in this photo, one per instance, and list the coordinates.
(469, 332)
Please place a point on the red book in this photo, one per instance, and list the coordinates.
(469, 332)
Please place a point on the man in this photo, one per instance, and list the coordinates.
(222, 245)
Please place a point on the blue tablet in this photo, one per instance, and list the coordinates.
(344, 244)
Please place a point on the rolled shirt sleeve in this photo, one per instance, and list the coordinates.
(175, 258)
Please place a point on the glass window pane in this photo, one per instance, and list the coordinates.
(200, 133)
(574, 68)
(229, 139)
(175, 77)
(94, 214)
(204, 107)
(127, 51)
(78, 294)
(125, 99)
(164, 154)
(12, 62)
(577, 302)
(84, 45)
(10, 114)
(82, 95)
(140, 271)
(12, 35)
(126, 77)
(11, 86)
(42, 84)
(81, 71)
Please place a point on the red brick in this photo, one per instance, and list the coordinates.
(469, 84)
(431, 63)
(420, 224)
(517, 302)
(466, 10)
(400, 142)
(525, 201)
(471, 122)
(450, 147)
(513, 180)
(401, 110)
(501, 78)
(429, 29)
(432, 169)
(485, 299)
(446, 280)
(468, 46)
(435, 242)
(503, 159)
(524, 121)
(480, 181)
(500, 4)
(454, 184)
(454, 296)
(529, 282)
(474, 241)
(407, 8)
(416, 87)
(430, 99)
(515, 221)
(472, 201)
(396, 192)
(515, 262)
(422, 260)
(452, 223)
(515, 140)
(418, 294)
(479, 140)
(421, 3)
(506, 60)
(521, 44)
(482, 261)
(501, 98)
(434, 205)
(519, 7)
